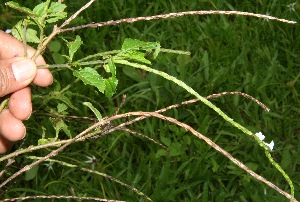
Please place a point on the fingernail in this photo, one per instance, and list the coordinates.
(23, 70)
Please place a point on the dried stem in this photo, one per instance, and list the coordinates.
(157, 115)
(175, 15)
(58, 143)
(76, 14)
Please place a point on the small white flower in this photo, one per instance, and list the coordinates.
(91, 160)
(271, 145)
(260, 136)
(49, 165)
(8, 31)
(291, 7)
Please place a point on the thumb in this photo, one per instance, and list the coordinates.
(15, 74)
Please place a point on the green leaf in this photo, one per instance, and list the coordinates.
(91, 77)
(46, 140)
(56, 12)
(110, 86)
(134, 44)
(18, 32)
(40, 11)
(110, 67)
(96, 112)
(31, 36)
(157, 50)
(61, 107)
(135, 55)
(30, 174)
(60, 125)
(74, 46)
(54, 46)
(16, 6)
(61, 97)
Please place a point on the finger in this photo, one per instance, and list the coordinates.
(19, 104)
(43, 78)
(15, 74)
(11, 128)
(10, 47)
(4, 145)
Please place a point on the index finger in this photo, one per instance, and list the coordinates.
(10, 47)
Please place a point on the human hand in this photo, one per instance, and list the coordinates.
(16, 73)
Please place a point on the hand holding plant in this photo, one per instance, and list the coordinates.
(17, 72)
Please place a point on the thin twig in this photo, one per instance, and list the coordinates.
(157, 115)
(76, 14)
(121, 105)
(174, 15)
(57, 143)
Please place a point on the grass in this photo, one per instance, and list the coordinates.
(229, 53)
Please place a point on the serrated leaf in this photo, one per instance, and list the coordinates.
(40, 10)
(74, 46)
(18, 32)
(16, 6)
(110, 86)
(95, 111)
(31, 36)
(30, 174)
(57, 7)
(90, 76)
(56, 12)
(134, 44)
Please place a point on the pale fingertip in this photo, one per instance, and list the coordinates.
(20, 104)
(11, 128)
(43, 78)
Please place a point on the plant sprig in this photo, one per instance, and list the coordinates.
(131, 54)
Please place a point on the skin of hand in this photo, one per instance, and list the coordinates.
(16, 73)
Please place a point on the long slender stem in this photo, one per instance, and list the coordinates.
(215, 108)
(175, 15)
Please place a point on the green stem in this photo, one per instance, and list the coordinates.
(98, 55)
(215, 108)
(3, 104)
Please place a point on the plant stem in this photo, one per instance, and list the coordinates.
(215, 108)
